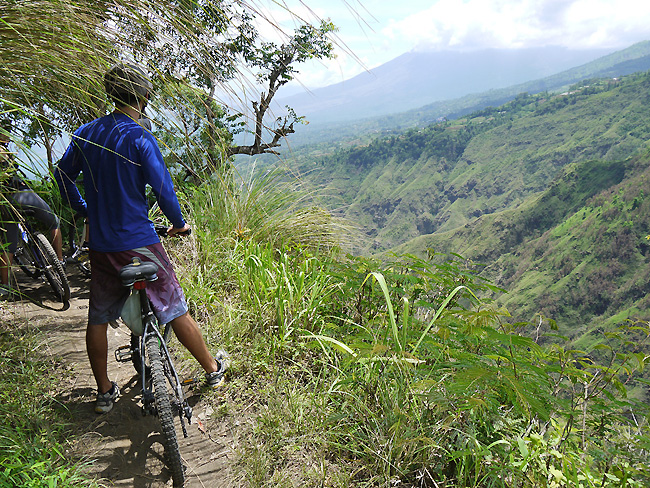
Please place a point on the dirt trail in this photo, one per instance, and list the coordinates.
(123, 446)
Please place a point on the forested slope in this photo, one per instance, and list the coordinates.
(577, 253)
(442, 177)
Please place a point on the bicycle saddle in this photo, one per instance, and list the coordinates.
(138, 271)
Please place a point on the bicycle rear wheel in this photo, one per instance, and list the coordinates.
(53, 268)
(164, 409)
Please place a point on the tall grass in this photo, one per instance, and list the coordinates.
(465, 399)
(253, 259)
(408, 379)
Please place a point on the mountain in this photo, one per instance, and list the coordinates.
(576, 253)
(317, 137)
(550, 192)
(633, 59)
(441, 177)
(415, 79)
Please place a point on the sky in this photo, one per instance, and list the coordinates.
(372, 32)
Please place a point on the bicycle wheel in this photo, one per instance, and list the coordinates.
(53, 269)
(25, 259)
(164, 409)
(136, 356)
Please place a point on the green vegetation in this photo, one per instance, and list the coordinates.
(364, 373)
(576, 253)
(33, 436)
(354, 371)
(514, 187)
(441, 177)
(351, 371)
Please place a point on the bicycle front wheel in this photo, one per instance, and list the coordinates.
(53, 268)
(26, 260)
(83, 262)
(164, 409)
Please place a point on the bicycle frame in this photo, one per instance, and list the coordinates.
(151, 357)
(151, 329)
(28, 244)
(127, 353)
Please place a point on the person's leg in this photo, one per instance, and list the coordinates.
(189, 334)
(106, 297)
(97, 348)
(169, 305)
(6, 258)
(57, 242)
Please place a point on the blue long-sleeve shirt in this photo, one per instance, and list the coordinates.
(118, 158)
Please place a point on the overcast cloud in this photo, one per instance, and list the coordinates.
(373, 32)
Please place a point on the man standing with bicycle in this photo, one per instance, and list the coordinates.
(118, 159)
(18, 197)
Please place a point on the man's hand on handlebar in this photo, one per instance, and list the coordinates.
(185, 230)
(164, 231)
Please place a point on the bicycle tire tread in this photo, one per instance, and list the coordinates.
(165, 413)
(59, 283)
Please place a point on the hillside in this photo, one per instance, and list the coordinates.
(441, 177)
(400, 115)
(576, 253)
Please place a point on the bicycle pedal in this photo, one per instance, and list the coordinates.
(189, 381)
(150, 410)
(123, 354)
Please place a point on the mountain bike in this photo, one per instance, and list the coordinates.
(36, 256)
(162, 390)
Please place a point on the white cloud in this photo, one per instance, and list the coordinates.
(276, 20)
(474, 24)
(373, 32)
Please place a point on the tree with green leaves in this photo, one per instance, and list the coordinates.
(50, 56)
(276, 64)
(53, 81)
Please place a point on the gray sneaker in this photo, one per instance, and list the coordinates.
(217, 378)
(105, 401)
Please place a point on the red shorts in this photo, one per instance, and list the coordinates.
(107, 294)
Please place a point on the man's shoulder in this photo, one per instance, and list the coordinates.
(103, 127)
(89, 126)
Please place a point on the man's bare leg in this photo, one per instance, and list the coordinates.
(97, 347)
(189, 334)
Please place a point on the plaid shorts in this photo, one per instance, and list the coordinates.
(107, 294)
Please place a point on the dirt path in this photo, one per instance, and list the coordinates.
(122, 446)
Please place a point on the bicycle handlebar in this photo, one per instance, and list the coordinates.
(161, 230)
